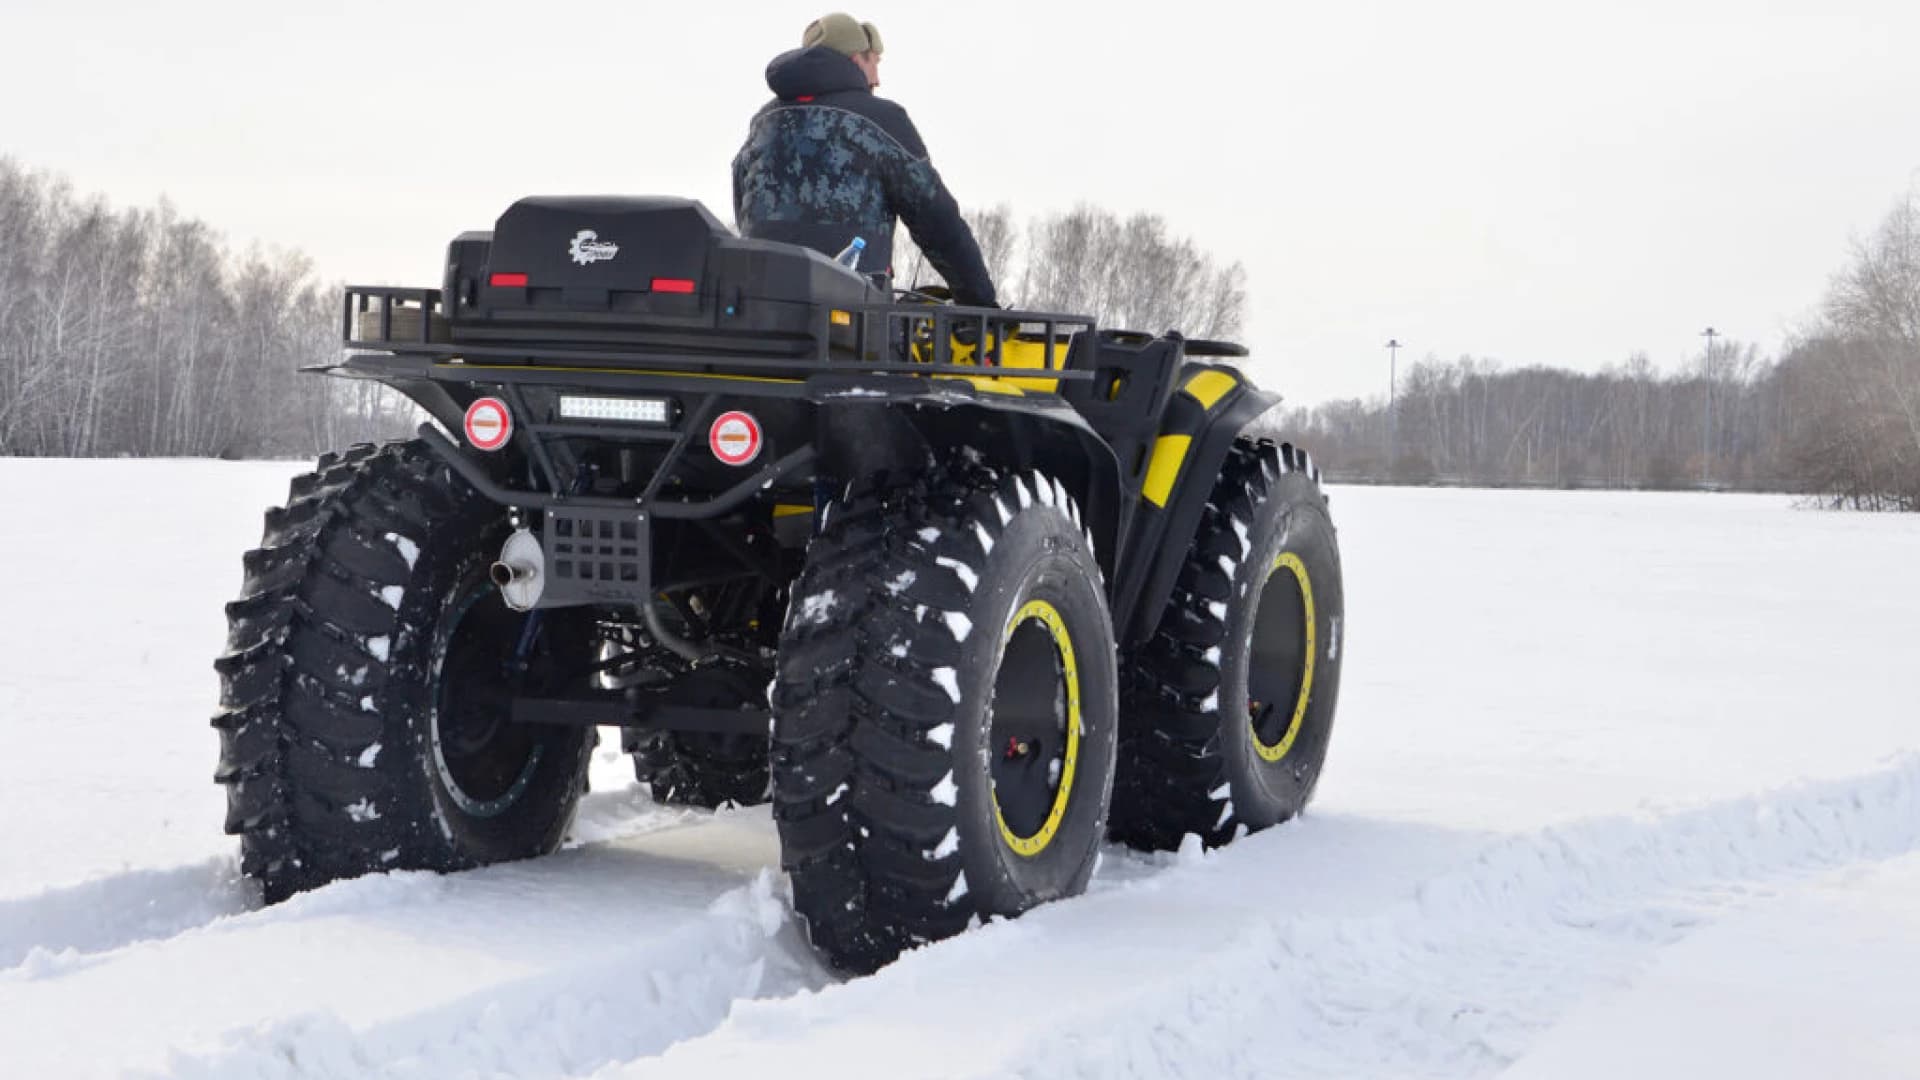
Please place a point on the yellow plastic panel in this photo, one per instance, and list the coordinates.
(1169, 453)
(1207, 387)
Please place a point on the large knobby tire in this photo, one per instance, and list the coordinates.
(945, 713)
(364, 722)
(708, 771)
(704, 769)
(1229, 713)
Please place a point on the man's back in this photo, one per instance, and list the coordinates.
(827, 161)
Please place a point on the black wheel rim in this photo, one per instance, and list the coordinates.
(485, 760)
(1033, 736)
(1280, 658)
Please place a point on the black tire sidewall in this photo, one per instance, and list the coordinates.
(1292, 519)
(1041, 555)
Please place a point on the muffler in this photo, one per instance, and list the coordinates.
(520, 571)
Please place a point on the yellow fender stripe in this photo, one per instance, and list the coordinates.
(1169, 453)
(1279, 749)
(1048, 616)
(1207, 387)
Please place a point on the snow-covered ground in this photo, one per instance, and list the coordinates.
(1621, 785)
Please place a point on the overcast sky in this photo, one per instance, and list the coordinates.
(1531, 182)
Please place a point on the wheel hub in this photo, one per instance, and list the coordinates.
(1036, 725)
(484, 760)
(1280, 658)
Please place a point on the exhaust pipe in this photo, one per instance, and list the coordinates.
(520, 572)
(507, 575)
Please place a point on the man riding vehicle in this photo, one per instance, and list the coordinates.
(827, 161)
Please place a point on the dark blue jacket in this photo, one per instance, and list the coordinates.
(826, 161)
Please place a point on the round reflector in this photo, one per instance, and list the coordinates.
(488, 424)
(735, 437)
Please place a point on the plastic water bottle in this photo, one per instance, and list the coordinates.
(849, 256)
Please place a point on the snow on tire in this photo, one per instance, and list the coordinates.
(1228, 717)
(364, 720)
(945, 713)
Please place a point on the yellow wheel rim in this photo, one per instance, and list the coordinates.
(1278, 749)
(1048, 616)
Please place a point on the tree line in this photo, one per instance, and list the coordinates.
(138, 332)
(1835, 416)
(1127, 271)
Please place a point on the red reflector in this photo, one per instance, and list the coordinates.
(508, 281)
(672, 284)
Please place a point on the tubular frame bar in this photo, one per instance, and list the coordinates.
(727, 500)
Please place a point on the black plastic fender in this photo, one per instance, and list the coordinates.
(1213, 405)
(871, 422)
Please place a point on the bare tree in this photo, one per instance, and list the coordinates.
(999, 241)
(136, 332)
(1125, 272)
(1861, 375)
(1131, 273)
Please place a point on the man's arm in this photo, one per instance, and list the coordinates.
(932, 215)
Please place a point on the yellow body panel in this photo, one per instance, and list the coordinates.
(1019, 351)
(1207, 387)
(1169, 453)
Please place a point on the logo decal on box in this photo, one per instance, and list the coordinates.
(587, 247)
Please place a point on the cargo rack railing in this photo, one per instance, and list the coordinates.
(884, 338)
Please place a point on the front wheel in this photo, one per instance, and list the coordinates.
(945, 713)
(708, 770)
(1231, 710)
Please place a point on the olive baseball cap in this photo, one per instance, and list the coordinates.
(843, 34)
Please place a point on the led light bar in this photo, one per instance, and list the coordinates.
(632, 410)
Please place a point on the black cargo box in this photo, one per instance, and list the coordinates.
(643, 272)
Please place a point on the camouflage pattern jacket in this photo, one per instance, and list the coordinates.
(826, 161)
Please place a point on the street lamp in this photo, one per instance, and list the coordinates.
(1393, 416)
(1706, 425)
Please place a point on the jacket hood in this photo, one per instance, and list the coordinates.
(811, 72)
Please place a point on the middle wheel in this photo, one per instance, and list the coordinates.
(945, 714)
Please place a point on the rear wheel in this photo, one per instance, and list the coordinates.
(1231, 709)
(945, 713)
(367, 688)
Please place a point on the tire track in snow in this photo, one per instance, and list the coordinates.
(1462, 978)
(112, 912)
(1454, 980)
(626, 812)
(632, 1000)
(543, 968)
(61, 925)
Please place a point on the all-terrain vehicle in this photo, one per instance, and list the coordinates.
(962, 591)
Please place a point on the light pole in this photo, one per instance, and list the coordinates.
(1393, 415)
(1706, 426)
